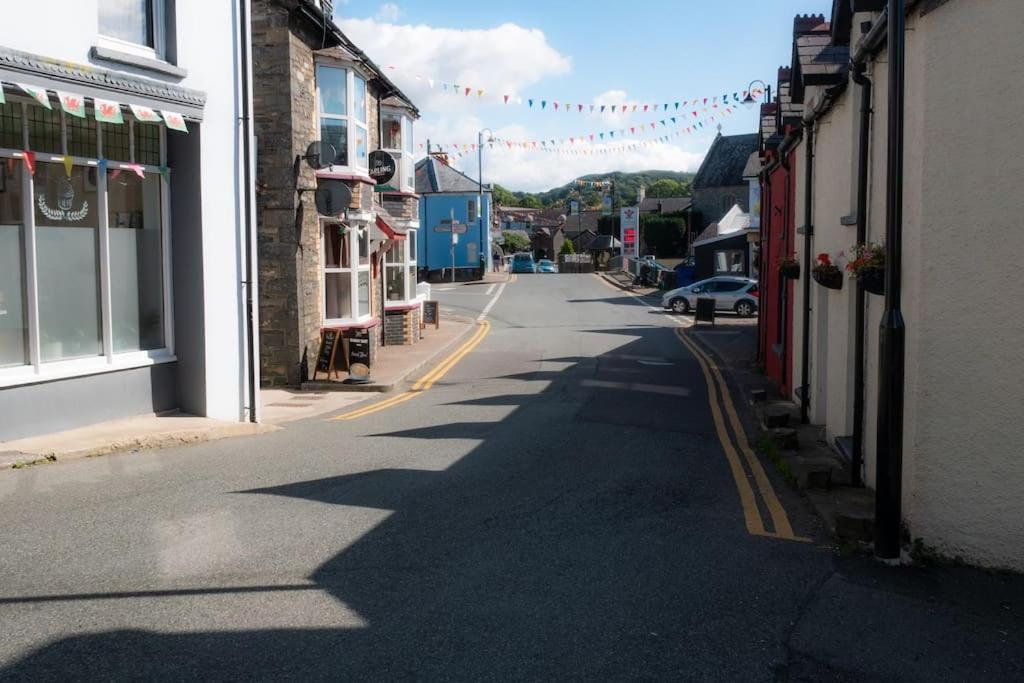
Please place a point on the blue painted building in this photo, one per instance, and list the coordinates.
(446, 194)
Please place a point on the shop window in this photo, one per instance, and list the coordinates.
(81, 136)
(341, 97)
(136, 261)
(397, 140)
(67, 262)
(729, 262)
(11, 131)
(346, 280)
(44, 130)
(391, 122)
(115, 139)
(13, 295)
(147, 143)
(400, 270)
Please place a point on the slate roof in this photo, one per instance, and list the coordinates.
(816, 60)
(789, 112)
(433, 177)
(604, 242)
(665, 204)
(753, 167)
(723, 166)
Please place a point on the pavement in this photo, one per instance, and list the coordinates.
(559, 500)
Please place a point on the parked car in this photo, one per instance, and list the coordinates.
(523, 263)
(546, 266)
(737, 294)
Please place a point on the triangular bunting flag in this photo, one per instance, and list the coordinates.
(506, 99)
(144, 114)
(30, 161)
(530, 102)
(2, 99)
(38, 94)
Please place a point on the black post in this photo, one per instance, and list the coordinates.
(805, 357)
(892, 332)
(857, 459)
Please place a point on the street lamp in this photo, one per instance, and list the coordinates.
(485, 242)
(749, 99)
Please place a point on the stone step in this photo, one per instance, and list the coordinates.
(848, 512)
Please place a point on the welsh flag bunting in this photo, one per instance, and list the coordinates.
(38, 94)
(144, 114)
(108, 111)
(2, 100)
(72, 103)
(174, 120)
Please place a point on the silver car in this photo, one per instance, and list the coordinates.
(737, 294)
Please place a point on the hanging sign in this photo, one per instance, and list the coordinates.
(574, 208)
(606, 205)
(382, 166)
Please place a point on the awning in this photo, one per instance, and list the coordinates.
(390, 232)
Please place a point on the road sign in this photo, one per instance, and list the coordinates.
(450, 226)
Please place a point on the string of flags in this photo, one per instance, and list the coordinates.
(553, 105)
(606, 139)
(106, 111)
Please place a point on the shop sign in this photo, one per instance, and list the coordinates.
(630, 227)
(359, 355)
(382, 167)
(64, 211)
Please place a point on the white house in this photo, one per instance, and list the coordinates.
(123, 196)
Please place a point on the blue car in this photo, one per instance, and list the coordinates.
(523, 263)
(546, 266)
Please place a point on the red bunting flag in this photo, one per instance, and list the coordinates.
(581, 107)
(30, 161)
(506, 99)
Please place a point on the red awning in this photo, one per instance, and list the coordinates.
(392, 233)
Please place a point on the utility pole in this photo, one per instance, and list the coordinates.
(485, 242)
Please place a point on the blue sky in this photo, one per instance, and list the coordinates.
(577, 52)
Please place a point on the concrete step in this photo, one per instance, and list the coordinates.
(848, 512)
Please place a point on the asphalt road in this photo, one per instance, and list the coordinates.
(558, 505)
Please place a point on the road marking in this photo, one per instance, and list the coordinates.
(490, 304)
(424, 383)
(490, 289)
(755, 525)
(715, 383)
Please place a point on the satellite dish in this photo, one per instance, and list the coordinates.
(332, 197)
(320, 154)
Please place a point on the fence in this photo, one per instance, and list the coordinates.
(575, 263)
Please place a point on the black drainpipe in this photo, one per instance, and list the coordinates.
(805, 358)
(892, 332)
(857, 459)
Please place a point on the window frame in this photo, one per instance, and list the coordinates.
(355, 267)
(408, 265)
(403, 156)
(729, 254)
(157, 50)
(36, 370)
(352, 123)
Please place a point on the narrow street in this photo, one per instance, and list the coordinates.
(557, 505)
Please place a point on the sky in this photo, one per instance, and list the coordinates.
(573, 52)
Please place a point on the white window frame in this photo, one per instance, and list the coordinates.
(108, 361)
(408, 260)
(355, 267)
(156, 51)
(406, 163)
(352, 123)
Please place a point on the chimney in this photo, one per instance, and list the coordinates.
(805, 23)
(641, 194)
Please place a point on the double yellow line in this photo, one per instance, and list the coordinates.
(781, 528)
(425, 382)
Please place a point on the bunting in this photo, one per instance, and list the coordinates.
(107, 111)
(72, 103)
(144, 114)
(38, 94)
(174, 120)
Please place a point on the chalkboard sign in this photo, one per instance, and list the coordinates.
(325, 355)
(432, 313)
(359, 355)
(705, 311)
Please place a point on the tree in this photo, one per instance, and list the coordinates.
(664, 235)
(666, 187)
(503, 197)
(515, 240)
(567, 248)
(528, 201)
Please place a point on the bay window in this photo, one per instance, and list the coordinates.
(84, 278)
(346, 266)
(341, 98)
(400, 270)
(397, 140)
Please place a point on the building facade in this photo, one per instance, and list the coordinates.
(447, 196)
(719, 184)
(337, 251)
(962, 366)
(123, 186)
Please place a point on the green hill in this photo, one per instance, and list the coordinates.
(675, 183)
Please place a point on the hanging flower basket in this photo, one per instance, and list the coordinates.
(872, 280)
(826, 273)
(868, 266)
(789, 268)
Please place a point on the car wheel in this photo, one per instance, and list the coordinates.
(745, 309)
(680, 306)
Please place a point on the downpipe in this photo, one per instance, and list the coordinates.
(248, 187)
(892, 332)
(805, 359)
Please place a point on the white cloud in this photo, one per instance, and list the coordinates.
(388, 12)
(504, 59)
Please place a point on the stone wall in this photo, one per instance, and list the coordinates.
(402, 206)
(708, 202)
